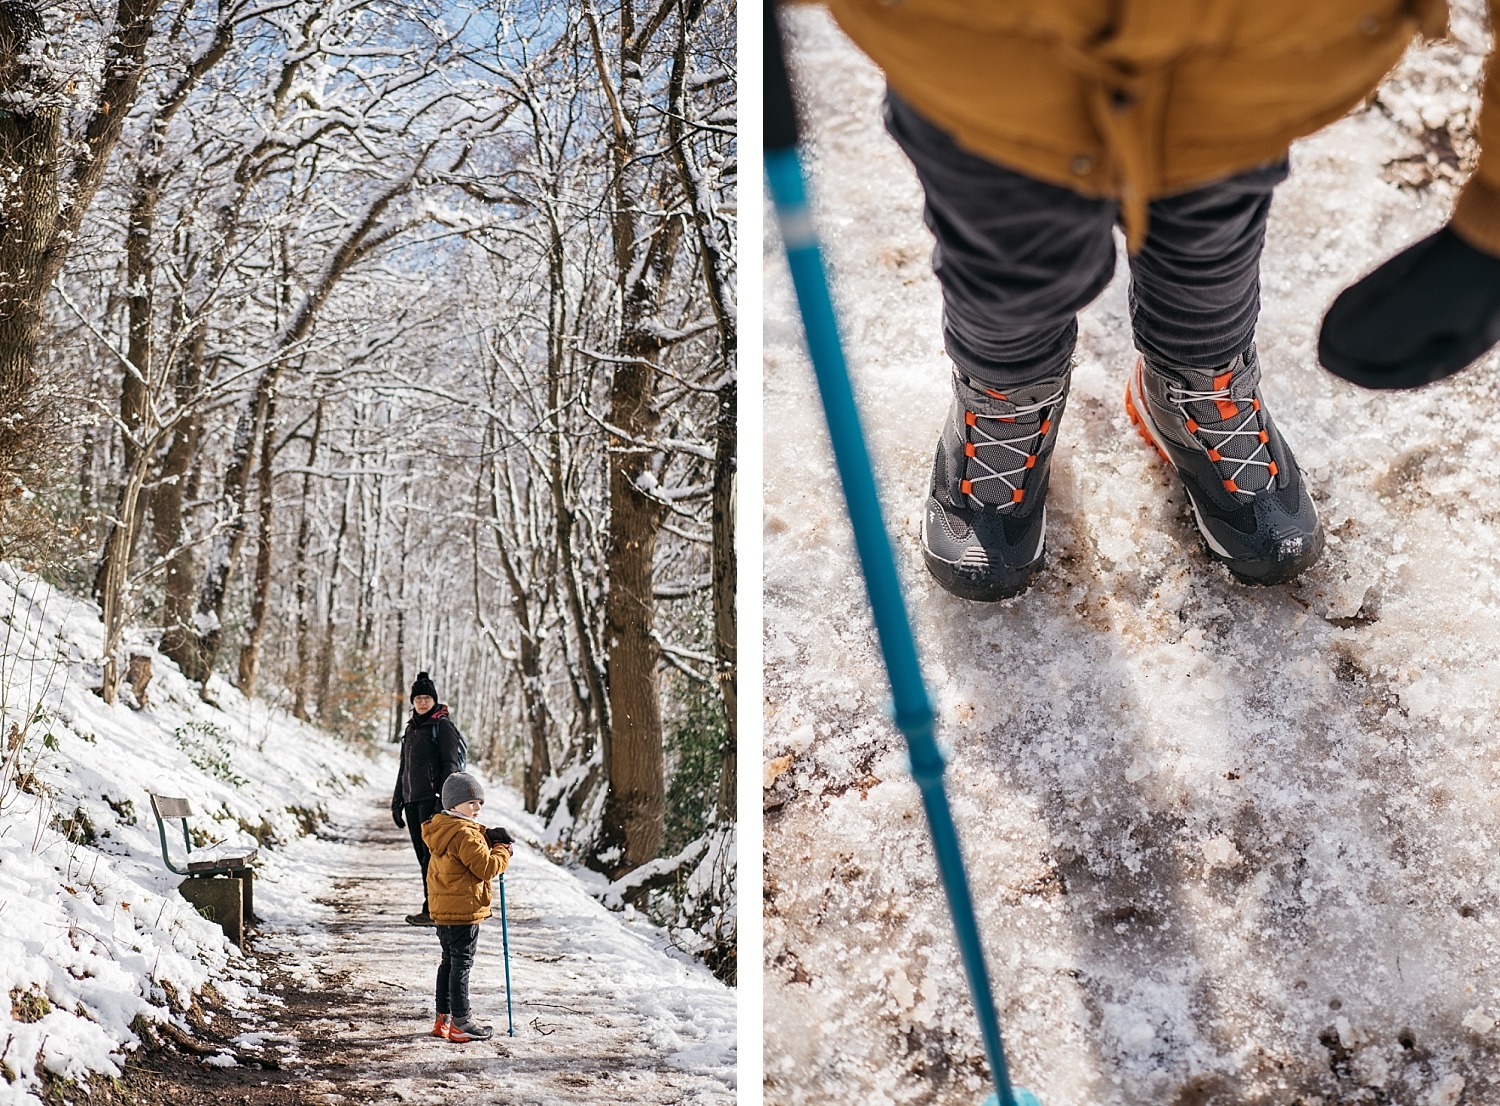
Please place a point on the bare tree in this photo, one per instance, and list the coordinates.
(50, 172)
(432, 305)
(301, 597)
(701, 184)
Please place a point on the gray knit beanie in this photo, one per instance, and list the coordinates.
(460, 788)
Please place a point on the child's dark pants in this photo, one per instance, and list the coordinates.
(1017, 259)
(459, 945)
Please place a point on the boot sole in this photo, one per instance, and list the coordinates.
(956, 583)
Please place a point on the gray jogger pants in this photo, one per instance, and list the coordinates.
(1017, 259)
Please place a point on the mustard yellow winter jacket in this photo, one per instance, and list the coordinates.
(459, 873)
(1141, 98)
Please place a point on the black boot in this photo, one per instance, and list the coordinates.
(1246, 492)
(985, 528)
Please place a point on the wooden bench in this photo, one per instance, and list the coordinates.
(230, 902)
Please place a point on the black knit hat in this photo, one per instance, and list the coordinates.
(423, 686)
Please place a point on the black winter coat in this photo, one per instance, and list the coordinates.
(431, 751)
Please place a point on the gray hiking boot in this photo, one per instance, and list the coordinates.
(464, 1030)
(1243, 484)
(985, 528)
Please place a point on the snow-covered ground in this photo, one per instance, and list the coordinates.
(599, 1006)
(92, 929)
(1228, 845)
(94, 935)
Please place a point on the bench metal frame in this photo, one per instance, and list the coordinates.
(166, 808)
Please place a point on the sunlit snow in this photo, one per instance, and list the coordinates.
(93, 933)
(1227, 844)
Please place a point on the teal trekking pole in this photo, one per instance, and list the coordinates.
(913, 711)
(510, 1018)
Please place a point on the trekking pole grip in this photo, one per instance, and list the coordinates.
(780, 108)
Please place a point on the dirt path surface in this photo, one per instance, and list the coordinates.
(599, 1009)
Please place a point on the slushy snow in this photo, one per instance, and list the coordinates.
(1227, 844)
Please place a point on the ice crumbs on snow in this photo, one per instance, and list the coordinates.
(1448, 1092)
(1477, 1021)
(1220, 852)
(1226, 844)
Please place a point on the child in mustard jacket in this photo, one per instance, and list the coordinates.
(459, 879)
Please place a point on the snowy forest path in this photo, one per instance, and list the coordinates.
(596, 1005)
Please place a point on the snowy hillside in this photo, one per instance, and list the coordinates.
(97, 946)
(1228, 845)
(92, 931)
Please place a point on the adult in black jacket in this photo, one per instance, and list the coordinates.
(432, 749)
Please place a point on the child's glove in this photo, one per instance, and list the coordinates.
(398, 815)
(1425, 314)
(498, 835)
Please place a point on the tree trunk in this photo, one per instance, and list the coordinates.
(644, 247)
(135, 385)
(716, 266)
(304, 616)
(528, 605)
(30, 149)
(371, 571)
(330, 618)
(135, 389)
(594, 708)
(179, 639)
(39, 233)
(634, 763)
(86, 450)
(226, 548)
(397, 699)
(250, 651)
(539, 763)
(114, 578)
(137, 432)
(725, 568)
